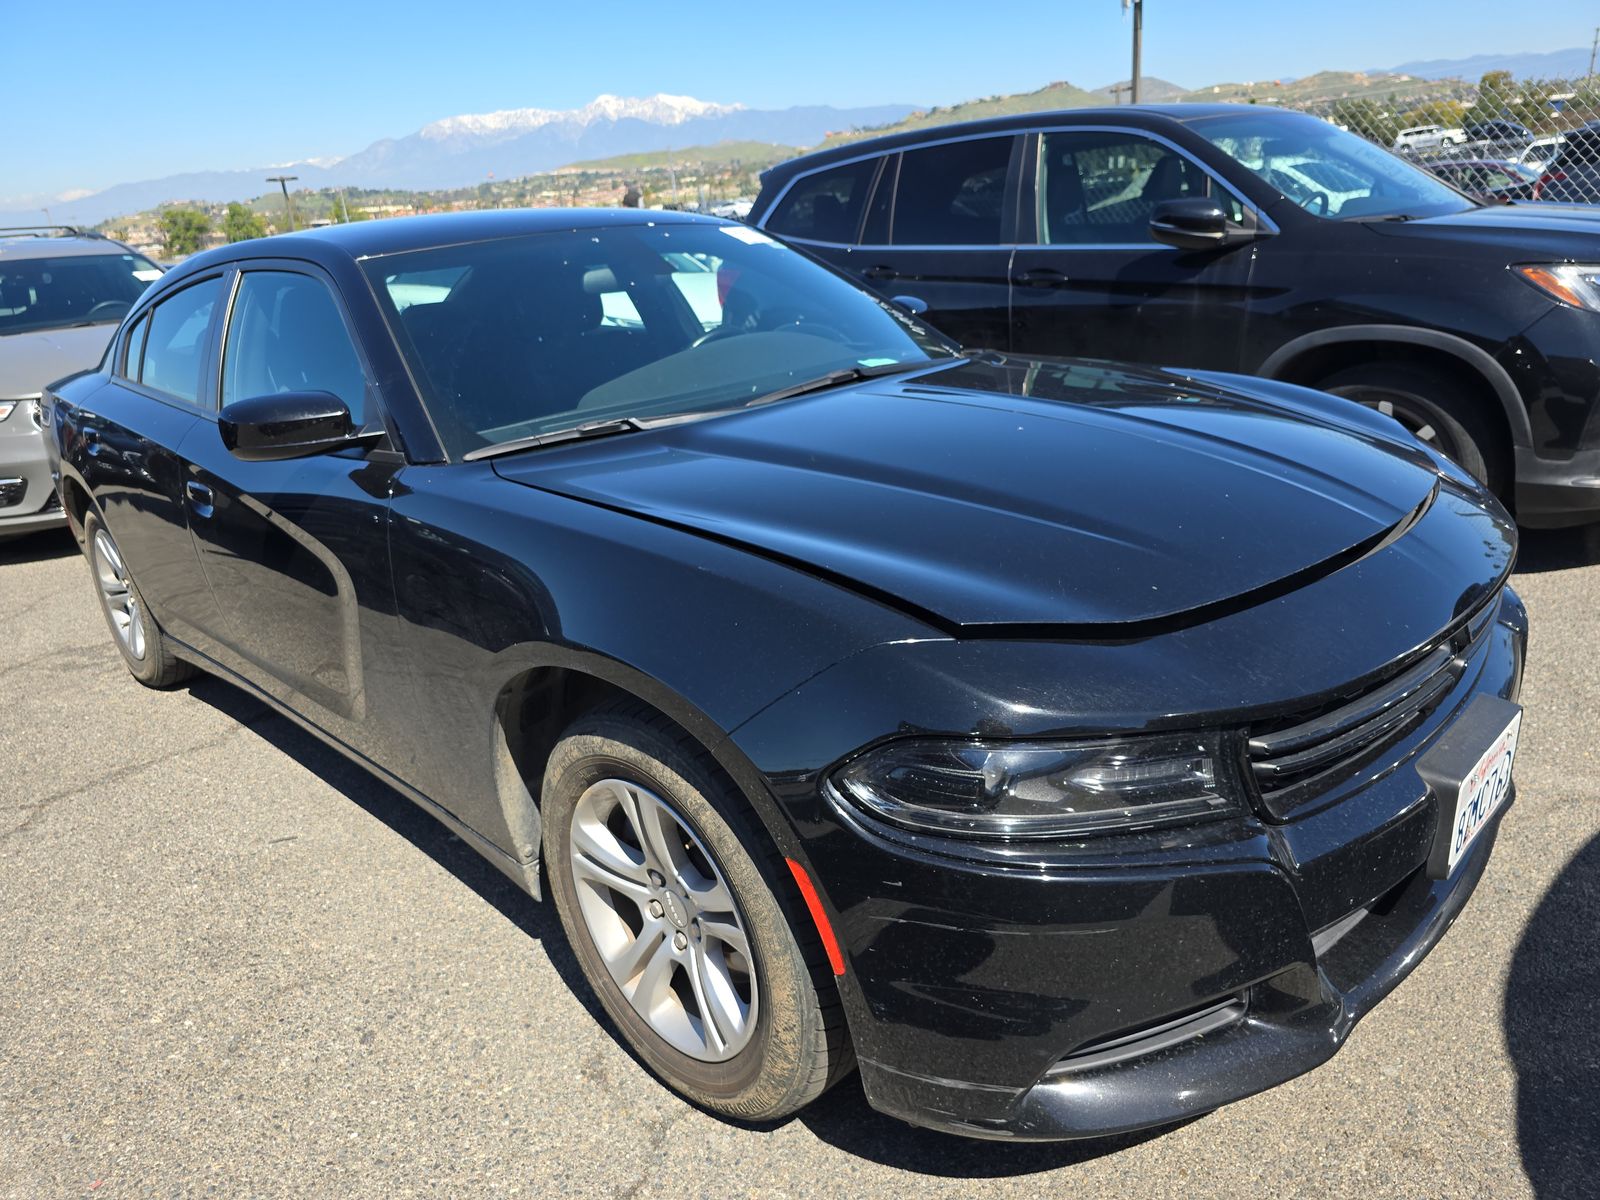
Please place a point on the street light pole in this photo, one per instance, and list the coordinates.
(288, 204)
(1138, 46)
(1595, 46)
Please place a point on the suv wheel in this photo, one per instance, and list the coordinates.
(672, 898)
(1431, 405)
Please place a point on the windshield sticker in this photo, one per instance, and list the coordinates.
(750, 237)
(875, 362)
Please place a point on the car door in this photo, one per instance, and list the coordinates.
(1090, 280)
(296, 551)
(127, 437)
(930, 223)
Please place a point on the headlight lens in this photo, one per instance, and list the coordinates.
(1577, 284)
(1046, 789)
(5, 408)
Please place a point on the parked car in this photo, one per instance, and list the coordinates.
(1074, 747)
(1199, 235)
(1498, 132)
(1486, 180)
(1538, 152)
(1573, 175)
(62, 294)
(1427, 137)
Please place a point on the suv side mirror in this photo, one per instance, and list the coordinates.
(287, 425)
(1195, 223)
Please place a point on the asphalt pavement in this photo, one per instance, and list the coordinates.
(233, 964)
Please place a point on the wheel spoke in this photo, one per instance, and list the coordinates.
(628, 961)
(654, 988)
(722, 1013)
(728, 932)
(1427, 433)
(600, 856)
(658, 833)
(710, 896)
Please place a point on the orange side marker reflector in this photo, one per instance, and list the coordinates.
(818, 916)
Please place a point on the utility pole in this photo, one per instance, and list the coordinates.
(1595, 46)
(283, 181)
(1138, 45)
(1116, 90)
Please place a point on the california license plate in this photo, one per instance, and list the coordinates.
(1469, 771)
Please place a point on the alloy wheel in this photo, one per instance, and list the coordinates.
(663, 919)
(117, 594)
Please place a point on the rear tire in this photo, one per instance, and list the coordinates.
(1436, 409)
(724, 991)
(144, 648)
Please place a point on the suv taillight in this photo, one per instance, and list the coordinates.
(1547, 178)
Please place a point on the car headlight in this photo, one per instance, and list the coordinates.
(5, 408)
(1047, 789)
(1577, 284)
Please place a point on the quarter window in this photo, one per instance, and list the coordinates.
(826, 206)
(1101, 188)
(135, 351)
(952, 195)
(286, 335)
(175, 340)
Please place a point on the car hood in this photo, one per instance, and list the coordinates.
(1526, 226)
(31, 361)
(1009, 495)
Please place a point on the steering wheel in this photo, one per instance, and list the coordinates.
(1320, 199)
(107, 309)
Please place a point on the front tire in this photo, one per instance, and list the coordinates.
(144, 648)
(673, 899)
(1435, 409)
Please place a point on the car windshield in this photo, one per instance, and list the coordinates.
(77, 289)
(522, 337)
(1295, 153)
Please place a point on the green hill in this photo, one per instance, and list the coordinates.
(749, 154)
(1324, 86)
(1052, 96)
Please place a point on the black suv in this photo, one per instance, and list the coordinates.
(1237, 238)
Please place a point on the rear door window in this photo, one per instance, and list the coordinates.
(825, 206)
(953, 194)
(175, 345)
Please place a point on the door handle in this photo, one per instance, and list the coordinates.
(880, 274)
(200, 498)
(1039, 277)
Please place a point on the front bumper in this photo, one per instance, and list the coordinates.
(984, 996)
(25, 475)
(1554, 493)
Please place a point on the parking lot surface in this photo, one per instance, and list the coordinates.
(234, 964)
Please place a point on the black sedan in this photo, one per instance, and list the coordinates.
(1072, 748)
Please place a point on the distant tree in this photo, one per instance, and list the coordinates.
(1366, 117)
(182, 230)
(239, 224)
(1497, 93)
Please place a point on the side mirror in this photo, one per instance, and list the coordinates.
(1196, 223)
(286, 425)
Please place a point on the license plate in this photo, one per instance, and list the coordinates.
(1469, 771)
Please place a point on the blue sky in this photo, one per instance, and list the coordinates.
(120, 92)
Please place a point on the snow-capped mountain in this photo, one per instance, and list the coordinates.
(461, 150)
(660, 109)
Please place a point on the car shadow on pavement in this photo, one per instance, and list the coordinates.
(538, 921)
(1558, 549)
(1552, 1024)
(841, 1118)
(37, 547)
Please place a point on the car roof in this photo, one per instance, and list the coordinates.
(1150, 117)
(22, 244)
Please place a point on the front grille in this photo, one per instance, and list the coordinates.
(12, 491)
(1152, 1038)
(1291, 758)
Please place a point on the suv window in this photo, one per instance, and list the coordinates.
(175, 345)
(952, 195)
(286, 335)
(1100, 188)
(826, 206)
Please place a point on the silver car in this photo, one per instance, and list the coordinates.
(62, 294)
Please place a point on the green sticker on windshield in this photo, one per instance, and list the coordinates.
(875, 362)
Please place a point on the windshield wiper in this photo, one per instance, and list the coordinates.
(836, 378)
(576, 433)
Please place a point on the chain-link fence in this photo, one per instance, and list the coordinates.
(1497, 139)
